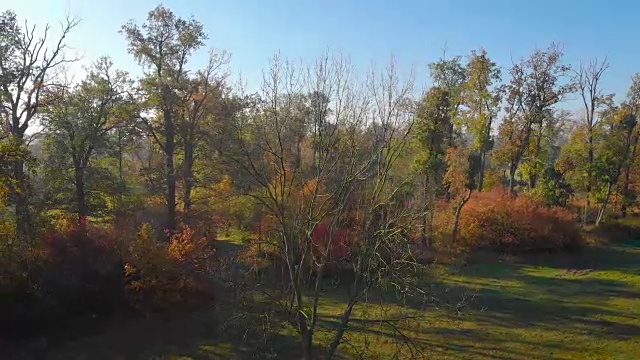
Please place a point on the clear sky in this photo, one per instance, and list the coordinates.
(369, 31)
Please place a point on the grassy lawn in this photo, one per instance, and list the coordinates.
(584, 306)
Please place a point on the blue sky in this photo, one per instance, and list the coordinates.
(369, 31)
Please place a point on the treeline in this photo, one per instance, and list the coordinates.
(318, 146)
(109, 139)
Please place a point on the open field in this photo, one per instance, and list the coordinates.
(584, 306)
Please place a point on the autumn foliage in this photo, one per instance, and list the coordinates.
(496, 220)
(83, 270)
(159, 274)
(332, 242)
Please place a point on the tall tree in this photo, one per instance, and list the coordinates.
(79, 119)
(481, 97)
(460, 177)
(588, 82)
(612, 154)
(27, 70)
(450, 75)
(536, 86)
(633, 101)
(163, 46)
(202, 102)
(431, 134)
(346, 187)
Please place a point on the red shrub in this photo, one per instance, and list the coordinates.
(496, 220)
(73, 271)
(336, 240)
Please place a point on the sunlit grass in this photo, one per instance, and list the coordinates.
(555, 307)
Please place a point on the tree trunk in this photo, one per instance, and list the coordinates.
(306, 338)
(533, 180)
(188, 178)
(627, 176)
(169, 150)
(337, 337)
(120, 167)
(483, 162)
(425, 219)
(625, 194)
(22, 212)
(512, 177)
(603, 207)
(81, 200)
(456, 223)
(590, 160)
(587, 209)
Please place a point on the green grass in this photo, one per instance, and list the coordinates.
(584, 306)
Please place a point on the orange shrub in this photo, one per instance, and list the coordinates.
(162, 274)
(496, 220)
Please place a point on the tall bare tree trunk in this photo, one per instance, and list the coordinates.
(625, 194)
(590, 161)
(169, 150)
(603, 207)
(483, 164)
(307, 342)
(22, 211)
(425, 218)
(188, 178)
(512, 177)
(121, 186)
(81, 199)
(627, 178)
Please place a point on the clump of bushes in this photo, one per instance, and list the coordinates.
(160, 275)
(71, 271)
(499, 221)
(618, 230)
(75, 270)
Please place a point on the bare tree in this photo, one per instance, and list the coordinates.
(27, 66)
(343, 184)
(588, 82)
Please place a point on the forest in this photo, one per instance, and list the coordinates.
(334, 212)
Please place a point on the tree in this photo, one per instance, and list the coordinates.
(554, 188)
(460, 179)
(27, 71)
(431, 133)
(345, 188)
(481, 98)
(202, 103)
(450, 75)
(588, 82)
(633, 101)
(80, 118)
(536, 86)
(612, 154)
(163, 46)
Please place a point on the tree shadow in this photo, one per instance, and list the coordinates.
(622, 257)
(207, 333)
(571, 301)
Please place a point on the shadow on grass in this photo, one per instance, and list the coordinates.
(556, 297)
(621, 257)
(196, 335)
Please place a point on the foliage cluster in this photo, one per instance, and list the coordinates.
(496, 220)
(78, 270)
